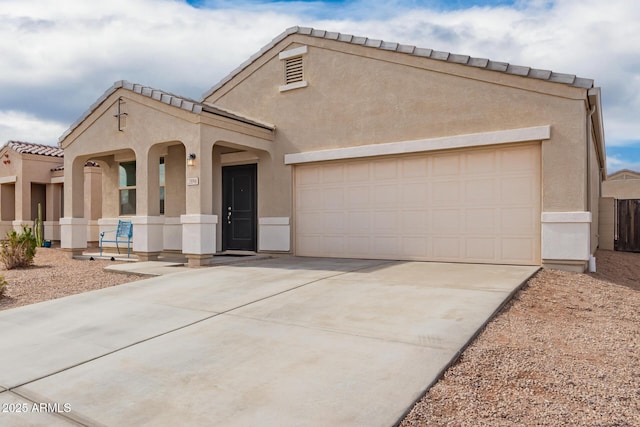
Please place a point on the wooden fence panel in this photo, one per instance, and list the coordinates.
(628, 226)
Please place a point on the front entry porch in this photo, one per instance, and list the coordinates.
(163, 170)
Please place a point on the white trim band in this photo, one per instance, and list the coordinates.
(537, 133)
(298, 51)
(572, 217)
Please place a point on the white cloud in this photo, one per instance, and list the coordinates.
(19, 126)
(616, 163)
(58, 57)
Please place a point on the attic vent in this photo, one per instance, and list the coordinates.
(293, 68)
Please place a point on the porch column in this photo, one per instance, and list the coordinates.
(199, 223)
(73, 226)
(148, 225)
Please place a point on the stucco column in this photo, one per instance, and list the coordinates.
(73, 226)
(148, 225)
(199, 223)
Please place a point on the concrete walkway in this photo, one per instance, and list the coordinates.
(282, 342)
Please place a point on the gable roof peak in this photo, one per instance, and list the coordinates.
(567, 79)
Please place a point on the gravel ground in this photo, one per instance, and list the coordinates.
(54, 275)
(564, 351)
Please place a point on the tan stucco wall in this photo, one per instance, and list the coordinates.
(358, 96)
(594, 193)
(606, 222)
(621, 188)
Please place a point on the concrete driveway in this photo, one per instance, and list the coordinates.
(282, 342)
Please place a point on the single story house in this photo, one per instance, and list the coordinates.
(620, 195)
(332, 145)
(32, 174)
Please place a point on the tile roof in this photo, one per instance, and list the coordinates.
(31, 148)
(89, 163)
(568, 79)
(166, 98)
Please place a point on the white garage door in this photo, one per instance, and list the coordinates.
(480, 205)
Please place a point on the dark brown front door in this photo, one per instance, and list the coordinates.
(239, 217)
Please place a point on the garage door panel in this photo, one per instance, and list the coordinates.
(445, 192)
(385, 195)
(480, 249)
(480, 221)
(481, 191)
(359, 222)
(385, 246)
(413, 222)
(445, 248)
(414, 247)
(480, 205)
(359, 246)
(415, 167)
(332, 198)
(334, 223)
(518, 160)
(413, 194)
(358, 172)
(386, 222)
(480, 162)
(517, 221)
(445, 221)
(517, 190)
(333, 174)
(445, 165)
(385, 170)
(518, 250)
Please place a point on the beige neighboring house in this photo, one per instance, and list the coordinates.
(621, 185)
(31, 174)
(331, 145)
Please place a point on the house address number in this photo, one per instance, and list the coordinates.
(193, 181)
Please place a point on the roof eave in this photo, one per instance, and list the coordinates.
(483, 63)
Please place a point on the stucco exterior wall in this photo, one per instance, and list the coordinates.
(358, 96)
(607, 223)
(621, 188)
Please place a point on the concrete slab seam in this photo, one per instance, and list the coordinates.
(455, 358)
(181, 327)
(335, 331)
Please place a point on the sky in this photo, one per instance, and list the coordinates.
(57, 57)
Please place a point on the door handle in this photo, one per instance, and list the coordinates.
(229, 218)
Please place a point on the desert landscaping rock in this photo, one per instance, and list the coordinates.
(564, 351)
(55, 275)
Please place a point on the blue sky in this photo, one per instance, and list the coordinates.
(59, 57)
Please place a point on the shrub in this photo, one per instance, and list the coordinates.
(18, 249)
(3, 286)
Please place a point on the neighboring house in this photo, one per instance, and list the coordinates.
(32, 174)
(326, 144)
(620, 195)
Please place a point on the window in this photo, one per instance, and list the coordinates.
(127, 171)
(293, 68)
(127, 184)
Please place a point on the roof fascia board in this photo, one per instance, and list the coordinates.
(594, 96)
(510, 136)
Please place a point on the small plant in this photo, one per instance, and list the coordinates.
(18, 249)
(3, 286)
